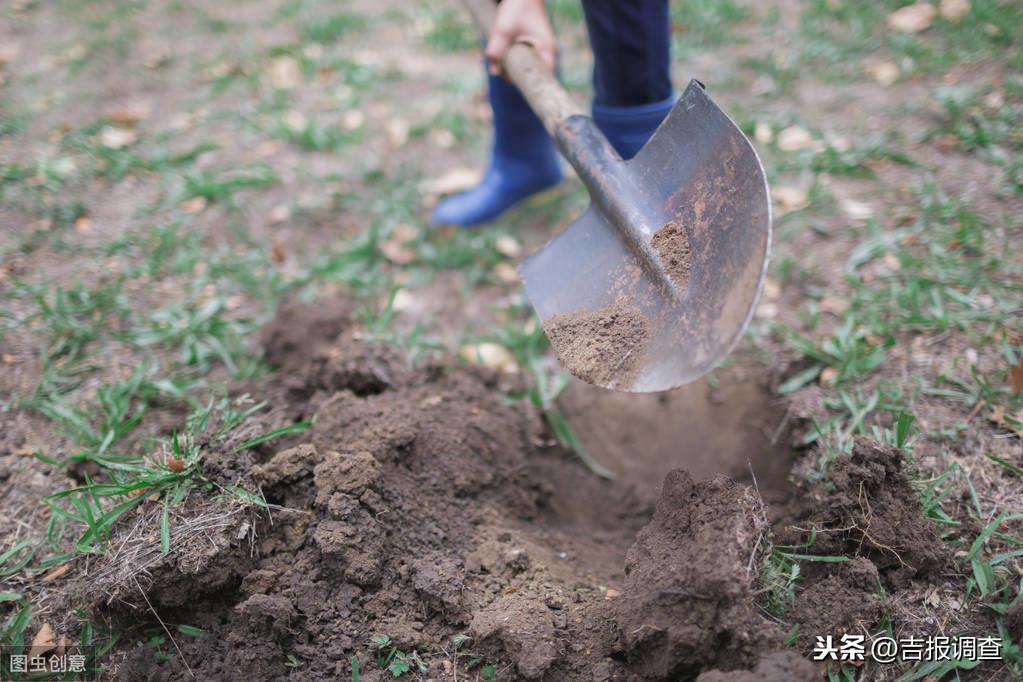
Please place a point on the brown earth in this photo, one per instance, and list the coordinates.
(603, 347)
(420, 506)
(423, 507)
(672, 244)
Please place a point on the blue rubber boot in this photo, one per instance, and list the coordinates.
(628, 128)
(523, 162)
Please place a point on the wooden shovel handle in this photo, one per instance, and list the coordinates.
(523, 67)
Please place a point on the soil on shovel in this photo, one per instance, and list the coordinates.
(420, 507)
(603, 347)
(672, 244)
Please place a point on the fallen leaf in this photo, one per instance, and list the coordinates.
(295, 120)
(885, 73)
(442, 138)
(284, 73)
(612, 593)
(506, 273)
(115, 137)
(856, 210)
(128, 116)
(395, 251)
(279, 213)
(277, 252)
(767, 310)
(762, 133)
(456, 180)
(954, 10)
(43, 641)
(176, 465)
(790, 198)
(353, 119)
(396, 130)
(491, 355)
(9, 359)
(912, 18)
(193, 205)
(994, 99)
(56, 573)
(508, 246)
(794, 138)
(83, 224)
(1016, 377)
(402, 300)
(829, 376)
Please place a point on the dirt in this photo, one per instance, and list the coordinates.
(603, 347)
(869, 508)
(672, 244)
(420, 506)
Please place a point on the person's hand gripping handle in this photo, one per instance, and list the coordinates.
(530, 71)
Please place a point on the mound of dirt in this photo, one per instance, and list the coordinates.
(869, 508)
(603, 347)
(688, 595)
(419, 506)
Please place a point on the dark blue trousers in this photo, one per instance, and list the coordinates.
(631, 41)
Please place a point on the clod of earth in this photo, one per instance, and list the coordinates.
(672, 245)
(604, 347)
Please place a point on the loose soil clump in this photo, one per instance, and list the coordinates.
(672, 244)
(419, 506)
(603, 347)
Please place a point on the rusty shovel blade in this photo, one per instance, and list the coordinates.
(674, 245)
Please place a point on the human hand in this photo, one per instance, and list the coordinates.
(521, 21)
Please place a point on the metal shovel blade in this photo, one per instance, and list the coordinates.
(633, 312)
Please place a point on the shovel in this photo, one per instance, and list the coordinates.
(653, 285)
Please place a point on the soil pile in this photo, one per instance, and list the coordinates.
(420, 507)
(867, 511)
(672, 244)
(689, 598)
(603, 347)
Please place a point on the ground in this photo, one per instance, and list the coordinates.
(258, 420)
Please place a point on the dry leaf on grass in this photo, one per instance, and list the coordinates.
(912, 18)
(353, 119)
(279, 213)
(508, 246)
(829, 376)
(954, 10)
(456, 180)
(1016, 378)
(278, 254)
(83, 224)
(129, 115)
(395, 251)
(884, 73)
(115, 137)
(491, 355)
(794, 139)
(506, 273)
(856, 210)
(762, 133)
(193, 205)
(790, 198)
(397, 131)
(43, 641)
(284, 73)
(402, 300)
